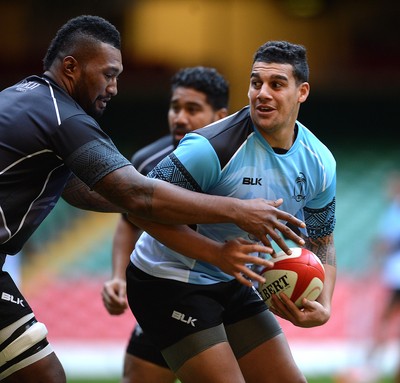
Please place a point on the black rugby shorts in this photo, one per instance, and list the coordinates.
(141, 346)
(169, 310)
(13, 305)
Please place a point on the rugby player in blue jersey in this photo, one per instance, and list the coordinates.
(209, 324)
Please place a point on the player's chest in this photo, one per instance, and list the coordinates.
(264, 176)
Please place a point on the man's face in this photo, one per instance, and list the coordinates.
(96, 79)
(275, 97)
(188, 111)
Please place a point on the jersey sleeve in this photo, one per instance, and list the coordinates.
(87, 151)
(193, 164)
(320, 212)
(325, 196)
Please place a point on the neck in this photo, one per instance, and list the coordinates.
(57, 79)
(284, 141)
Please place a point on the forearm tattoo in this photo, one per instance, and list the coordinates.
(324, 248)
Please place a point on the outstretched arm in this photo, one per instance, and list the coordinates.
(231, 257)
(156, 200)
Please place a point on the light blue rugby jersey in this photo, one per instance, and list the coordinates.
(231, 158)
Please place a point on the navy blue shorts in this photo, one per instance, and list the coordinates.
(141, 346)
(173, 313)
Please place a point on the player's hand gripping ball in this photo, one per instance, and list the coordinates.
(299, 275)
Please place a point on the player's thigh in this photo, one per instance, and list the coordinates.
(271, 362)
(47, 369)
(216, 364)
(143, 371)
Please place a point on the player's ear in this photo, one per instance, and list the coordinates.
(70, 65)
(304, 91)
(221, 113)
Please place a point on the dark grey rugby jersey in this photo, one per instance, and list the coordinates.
(147, 158)
(44, 135)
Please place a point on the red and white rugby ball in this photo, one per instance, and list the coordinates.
(299, 275)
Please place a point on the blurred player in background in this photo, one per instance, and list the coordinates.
(387, 255)
(208, 325)
(48, 133)
(199, 96)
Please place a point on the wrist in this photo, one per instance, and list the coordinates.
(118, 277)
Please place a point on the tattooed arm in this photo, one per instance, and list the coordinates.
(126, 190)
(78, 194)
(325, 250)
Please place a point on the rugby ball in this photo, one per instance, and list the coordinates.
(299, 275)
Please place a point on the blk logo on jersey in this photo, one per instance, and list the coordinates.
(252, 181)
(10, 298)
(300, 187)
(181, 317)
(27, 85)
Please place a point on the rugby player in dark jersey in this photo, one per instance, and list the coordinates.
(51, 144)
(199, 96)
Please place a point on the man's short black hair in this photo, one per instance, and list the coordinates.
(283, 52)
(205, 80)
(77, 29)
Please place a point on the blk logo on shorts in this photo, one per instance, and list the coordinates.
(10, 298)
(181, 317)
